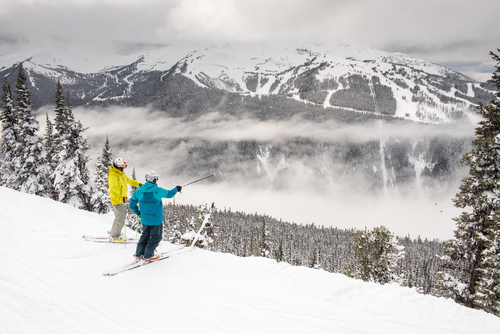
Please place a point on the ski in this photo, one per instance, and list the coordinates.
(133, 265)
(108, 240)
(139, 263)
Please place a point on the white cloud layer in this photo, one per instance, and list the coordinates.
(142, 137)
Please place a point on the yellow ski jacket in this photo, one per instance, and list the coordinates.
(117, 181)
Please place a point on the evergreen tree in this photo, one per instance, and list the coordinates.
(175, 233)
(32, 173)
(50, 151)
(278, 254)
(376, 255)
(263, 247)
(314, 259)
(72, 180)
(10, 134)
(251, 248)
(107, 155)
(476, 244)
(204, 232)
(133, 188)
(61, 115)
(132, 219)
(101, 202)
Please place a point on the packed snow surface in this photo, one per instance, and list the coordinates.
(51, 282)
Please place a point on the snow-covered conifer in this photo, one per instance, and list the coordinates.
(133, 188)
(278, 254)
(10, 134)
(199, 231)
(476, 244)
(50, 151)
(314, 259)
(101, 202)
(376, 255)
(488, 288)
(205, 233)
(60, 121)
(32, 173)
(263, 247)
(72, 179)
(61, 128)
(133, 221)
(174, 234)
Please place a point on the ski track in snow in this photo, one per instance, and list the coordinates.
(51, 282)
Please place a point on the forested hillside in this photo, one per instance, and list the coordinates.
(325, 248)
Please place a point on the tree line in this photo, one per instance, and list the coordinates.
(376, 255)
(54, 165)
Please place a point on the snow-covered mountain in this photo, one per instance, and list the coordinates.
(51, 282)
(340, 76)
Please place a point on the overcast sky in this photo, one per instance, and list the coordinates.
(455, 33)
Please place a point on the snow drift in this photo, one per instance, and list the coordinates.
(51, 282)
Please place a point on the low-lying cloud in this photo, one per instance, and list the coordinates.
(132, 124)
(145, 138)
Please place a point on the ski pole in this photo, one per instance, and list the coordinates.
(137, 227)
(125, 224)
(138, 222)
(203, 178)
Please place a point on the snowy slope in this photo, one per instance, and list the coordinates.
(278, 69)
(52, 61)
(51, 282)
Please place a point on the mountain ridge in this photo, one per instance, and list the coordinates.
(355, 79)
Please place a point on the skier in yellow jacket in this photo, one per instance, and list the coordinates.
(118, 191)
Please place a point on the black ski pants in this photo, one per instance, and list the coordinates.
(150, 238)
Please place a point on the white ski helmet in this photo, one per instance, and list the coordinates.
(152, 176)
(120, 162)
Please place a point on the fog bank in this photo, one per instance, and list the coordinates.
(300, 187)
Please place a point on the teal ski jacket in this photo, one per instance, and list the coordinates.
(146, 201)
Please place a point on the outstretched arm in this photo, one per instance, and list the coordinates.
(132, 182)
(168, 193)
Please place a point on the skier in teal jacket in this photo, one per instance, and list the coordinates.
(146, 202)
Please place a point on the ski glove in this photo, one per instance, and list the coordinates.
(124, 199)
(179, 188)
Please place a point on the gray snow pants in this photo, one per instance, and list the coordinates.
(119, 221)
